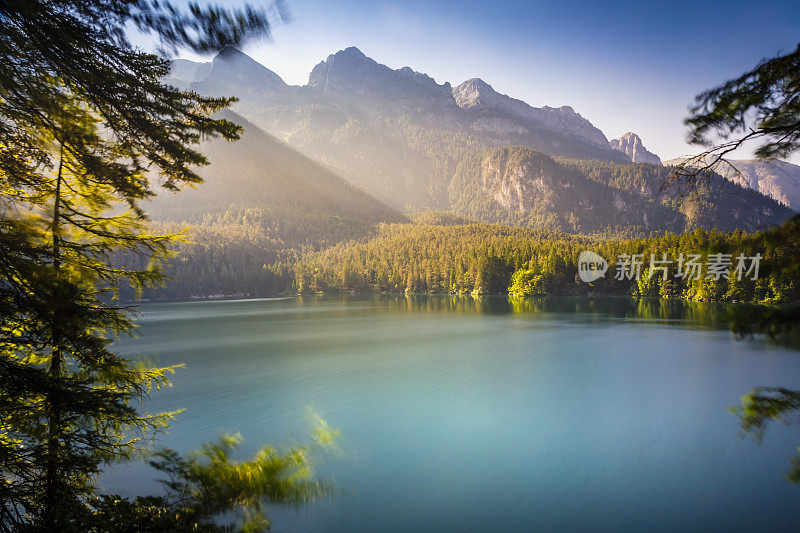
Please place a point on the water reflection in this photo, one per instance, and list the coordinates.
(712, 316)
(708, 316)
(683, 313)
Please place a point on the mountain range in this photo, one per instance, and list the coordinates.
(399, 141)
(397, 134)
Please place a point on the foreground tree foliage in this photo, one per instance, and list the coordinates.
(208, 483)
(86, 130)
(761, 105)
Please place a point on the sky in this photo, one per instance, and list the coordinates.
(625, 66)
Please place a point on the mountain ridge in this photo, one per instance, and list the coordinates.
(780, 180)
(476, 93)
(518, 186)
(396, 133)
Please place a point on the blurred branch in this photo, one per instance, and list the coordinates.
(761, 104)
(208, 28)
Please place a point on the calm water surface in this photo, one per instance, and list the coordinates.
(470, 415)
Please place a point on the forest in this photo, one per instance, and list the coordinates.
(233, 255)
(494, 259)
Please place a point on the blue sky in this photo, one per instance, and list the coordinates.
(626, 66)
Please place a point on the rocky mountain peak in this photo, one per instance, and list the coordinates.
(473, 92)
(231, 52)
(355, 52)
(349, 71)
(235, 68)
(348, 62)
(631, 145)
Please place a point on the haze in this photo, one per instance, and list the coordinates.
(626, 66)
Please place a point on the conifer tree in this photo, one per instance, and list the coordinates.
(87, 132)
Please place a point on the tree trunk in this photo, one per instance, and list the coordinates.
(54, 415)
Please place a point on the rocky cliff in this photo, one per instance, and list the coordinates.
(631, 145)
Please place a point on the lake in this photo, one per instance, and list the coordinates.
(475, 415)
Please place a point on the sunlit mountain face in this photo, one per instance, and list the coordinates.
(396, 133)
(410, 142)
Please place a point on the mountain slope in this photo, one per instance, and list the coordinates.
(519, 186)
(477, 94)
(293, 196)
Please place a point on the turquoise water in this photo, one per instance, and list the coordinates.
(468, 415)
